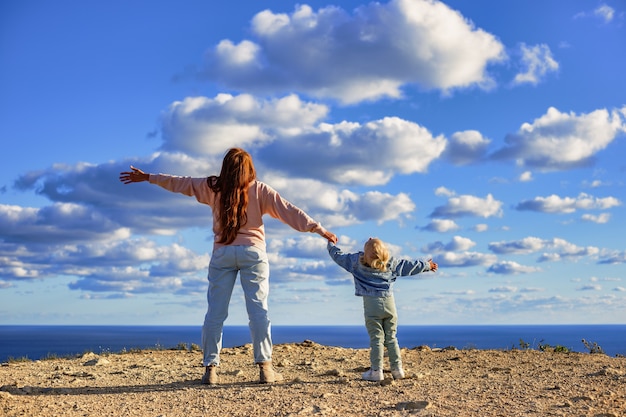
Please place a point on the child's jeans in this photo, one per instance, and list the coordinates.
(381, 321)
(252, 265)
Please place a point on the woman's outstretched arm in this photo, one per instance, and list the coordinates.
(135, 175)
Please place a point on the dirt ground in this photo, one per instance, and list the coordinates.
(318, 380)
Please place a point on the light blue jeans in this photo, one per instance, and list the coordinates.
(381, 321)
(252, 266)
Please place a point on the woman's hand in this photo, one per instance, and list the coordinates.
(136, 175)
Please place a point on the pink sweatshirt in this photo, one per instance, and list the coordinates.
(262, 199)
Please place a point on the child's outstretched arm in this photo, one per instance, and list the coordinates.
(344, 260)
(405, 267)
(433, 265)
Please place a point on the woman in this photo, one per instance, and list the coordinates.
(238, 202)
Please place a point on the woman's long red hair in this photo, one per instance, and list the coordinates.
(232, 185)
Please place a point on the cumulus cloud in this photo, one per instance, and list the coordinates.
(560, 205)
(511, 268)
(458, 243)
(343, 207)
(561, 249)
(526, 176)
(605, 12)
(59, 223)
(128, 266)
(351, 153)
(466, 147)
(332, 53)
(441, 225)
(464, 259)
(561, 141)
(482, 227)
(507, 289)
(537, 61)
(601, 218)
(613, 257)
(524, 246)
(283, 134)
(469, 205)
(589, 287)
(202, 126)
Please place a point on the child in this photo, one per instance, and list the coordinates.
(374, 272)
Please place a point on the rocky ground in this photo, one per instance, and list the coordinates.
(318, 380)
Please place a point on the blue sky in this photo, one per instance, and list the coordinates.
(487, 135)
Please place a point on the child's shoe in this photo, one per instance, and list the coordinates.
(373, 375)
(397, 373)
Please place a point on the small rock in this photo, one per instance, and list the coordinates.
(335, 372)
(413, 405)
(387, 382)
(582, 398)
(97, 362)
(89, 356)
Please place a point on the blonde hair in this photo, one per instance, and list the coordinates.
(375, 254)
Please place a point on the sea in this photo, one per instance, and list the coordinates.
(41, 342)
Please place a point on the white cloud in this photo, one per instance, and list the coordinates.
(605, 12)
(458, 243)
(560, 248)
(127, 266)
(469, 205)
(524, 246)
(613, 257)
(336, 207)
(537, 61)
(482, 227)
(601, 218)
(510, 268)
(561, 205)
(203, 126)
(331, 53)
(561, 141)
(443, 191)
(526, 176)
(464, 259)
(441, 225)
(466, 147)
(506, 289)
(58, 223)
(589, 288)
(351, 153)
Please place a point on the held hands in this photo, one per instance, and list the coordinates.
(433, 265)
(331, 237)
(136, 175)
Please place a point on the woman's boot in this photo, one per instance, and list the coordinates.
(267, 373)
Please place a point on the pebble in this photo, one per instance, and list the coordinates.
(413, 405)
